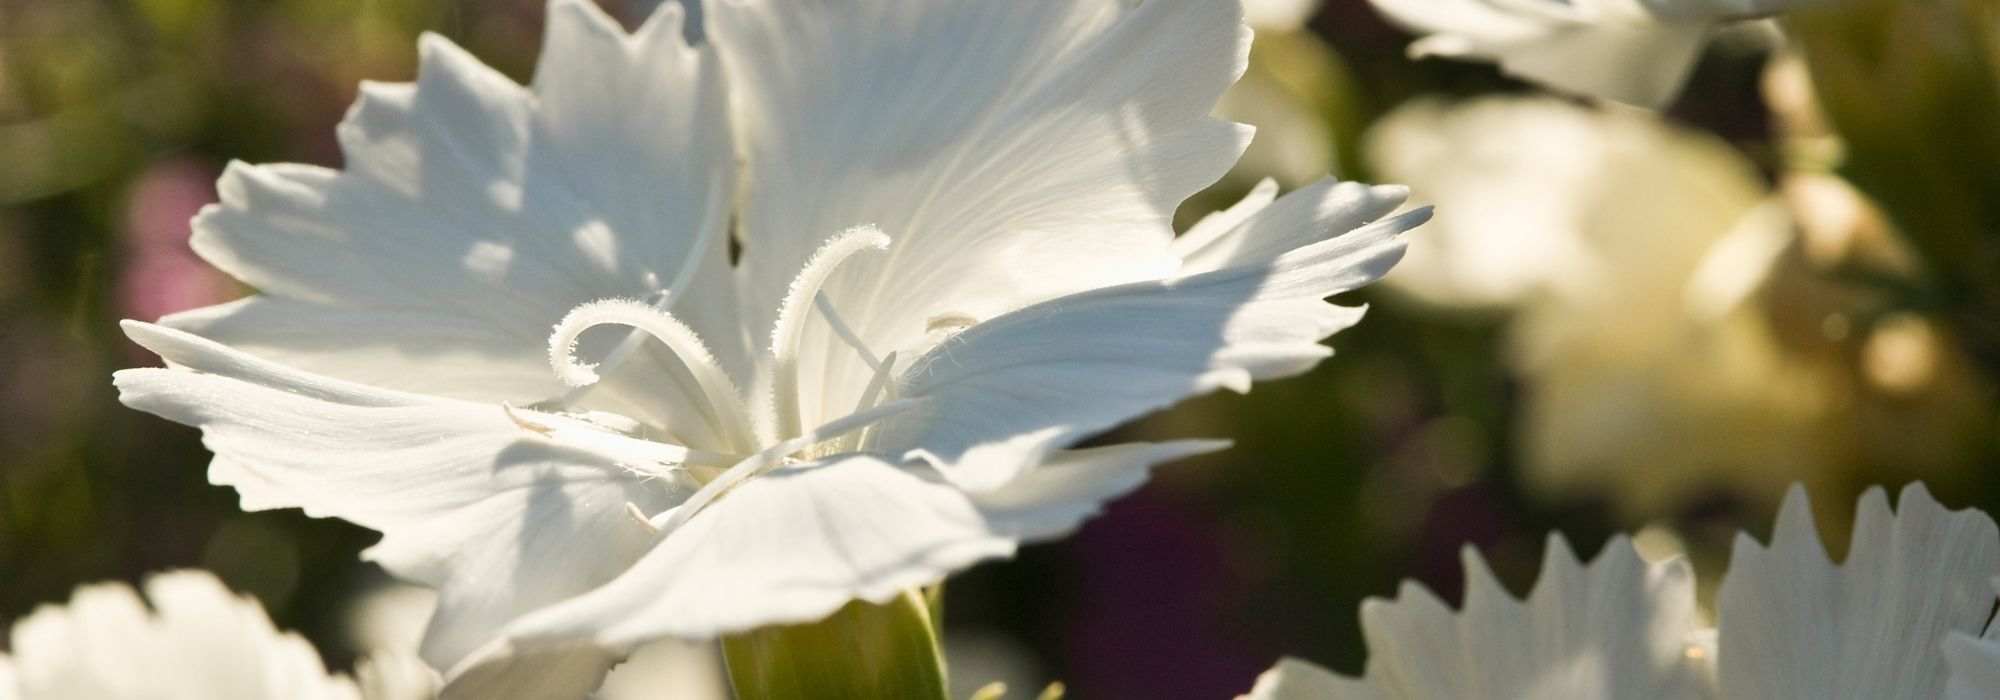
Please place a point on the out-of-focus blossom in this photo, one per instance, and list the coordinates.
(1292, 92)
(1789, 622)
(1671, 327)
(945, 281)
(161, 274)
(1633, 51)
(1541, 197)
(197, 641)
(1279, 15)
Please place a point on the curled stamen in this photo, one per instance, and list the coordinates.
(661, 299)
(774, 456)
(720, 393)
(792, 318)
(616, 358)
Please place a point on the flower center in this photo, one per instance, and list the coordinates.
(724, 405)
(778, 430)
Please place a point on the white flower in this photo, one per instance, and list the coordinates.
(198, 641)
(955, 262)
(1620, 627)
(1790, 622)
(1634, 51)
(1974, 660)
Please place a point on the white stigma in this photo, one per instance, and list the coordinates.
(721, 395)
(792, 313)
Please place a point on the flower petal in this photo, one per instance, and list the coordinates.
(1293, 679)
(1975, 667)
(1792, 624)
(473, 213)
(1619, 627)
(788, 546)
(199, 641)
(1259, 230)
(499, 518)
(1615, 49)
(1071, 485)
(796, 544)
(1013, 151)
(1003, 392)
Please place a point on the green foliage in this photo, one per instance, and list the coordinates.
(1913, 88)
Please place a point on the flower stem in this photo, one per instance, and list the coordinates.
(862, 651)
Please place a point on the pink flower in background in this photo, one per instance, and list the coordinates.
(160, 274)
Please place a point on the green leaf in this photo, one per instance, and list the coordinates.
(862, 651)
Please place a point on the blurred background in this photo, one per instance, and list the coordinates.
(1621, 321)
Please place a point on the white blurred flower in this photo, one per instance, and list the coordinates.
(1294, 143)
(198, 641)
(1633, 51)
(1790, 622)
(1671, 333)
(956, 261)
(1292, 92)
(1279, 15)
(1540, 197)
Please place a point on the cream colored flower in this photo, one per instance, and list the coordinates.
(1671, 330)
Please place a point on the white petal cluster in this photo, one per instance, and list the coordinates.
(1906, 615)
(1633, 51)
(196, 641)
(953, 260)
